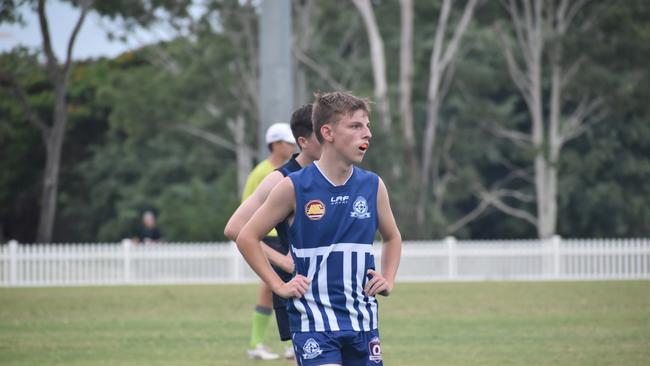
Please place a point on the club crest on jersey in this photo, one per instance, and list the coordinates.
(360, 208)
(315, 210)
(374, 349)
(311, 349)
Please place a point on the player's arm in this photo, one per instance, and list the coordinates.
(246, 210)
(284, 262)
(382, 283)
(278, 205)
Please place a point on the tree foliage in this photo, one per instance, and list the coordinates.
(128, 148)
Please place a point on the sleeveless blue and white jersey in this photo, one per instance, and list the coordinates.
(331, 243)
(283, 227)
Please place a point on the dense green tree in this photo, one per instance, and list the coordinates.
(168, 127)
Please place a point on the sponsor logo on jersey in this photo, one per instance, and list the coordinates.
(360, 208)
(374, 350)
(315, 210)
(339, 200)
(311, 349)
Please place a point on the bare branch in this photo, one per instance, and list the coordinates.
(598, 114)
(518, 195)
(438, 41)
(583, 111)
(452, 48)
(520, 79)
(519, 138)
(572, 11)
(85, 5)
(469, 217)
(208, 136)
(599, 8)
(319, 69)
(518, 27)
(514, 173)
(512, 211)
(571, 72)
(52, 62)
(447, 78)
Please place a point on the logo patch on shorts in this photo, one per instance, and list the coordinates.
(315, 210)
(311, 349)
(374, 350)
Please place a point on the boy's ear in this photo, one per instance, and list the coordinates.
(301, 142)
(327, 131)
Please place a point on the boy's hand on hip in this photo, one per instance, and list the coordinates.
(377, 284)
(294, 288)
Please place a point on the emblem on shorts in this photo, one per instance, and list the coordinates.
(315, 210)
(374, 350)
(311, 349)
(360, 208)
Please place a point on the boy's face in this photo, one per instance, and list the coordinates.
(352, 136)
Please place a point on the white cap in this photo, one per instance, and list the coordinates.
(279, 132)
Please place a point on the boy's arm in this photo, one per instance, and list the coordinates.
(284, 262)
(278, 205)
(391, 247)
(246, 210)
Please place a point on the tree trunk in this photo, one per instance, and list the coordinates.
(406, 86)
(53, 136)
(378, 59)
(244, 154)
(427, 157)
(530, 21)
(49, 193)
(439, 67)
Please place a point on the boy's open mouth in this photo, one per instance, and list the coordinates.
(364, 146)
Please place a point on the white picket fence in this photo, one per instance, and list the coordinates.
(447, 260)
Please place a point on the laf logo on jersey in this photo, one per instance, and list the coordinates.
(339, 200)
(315, 210)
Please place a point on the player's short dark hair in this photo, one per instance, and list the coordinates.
(301, 125)
(330, 107)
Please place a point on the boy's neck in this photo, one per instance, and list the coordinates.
(335, 170)
(303, 159)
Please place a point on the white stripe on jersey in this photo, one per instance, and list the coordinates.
(326, 250)
(373, 309)
(304, 320)
(309, 297)
(347, 284)
(361, 259)
(324, 297)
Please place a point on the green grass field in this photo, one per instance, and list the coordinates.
(489, 323)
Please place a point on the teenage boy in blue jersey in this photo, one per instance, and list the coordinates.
(278, 254)
(334, 209)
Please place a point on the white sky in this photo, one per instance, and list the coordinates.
(92, 40)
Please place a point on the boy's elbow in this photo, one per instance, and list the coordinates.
(244, 240)
(394, 237)
(230, 233)
(232, 230)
